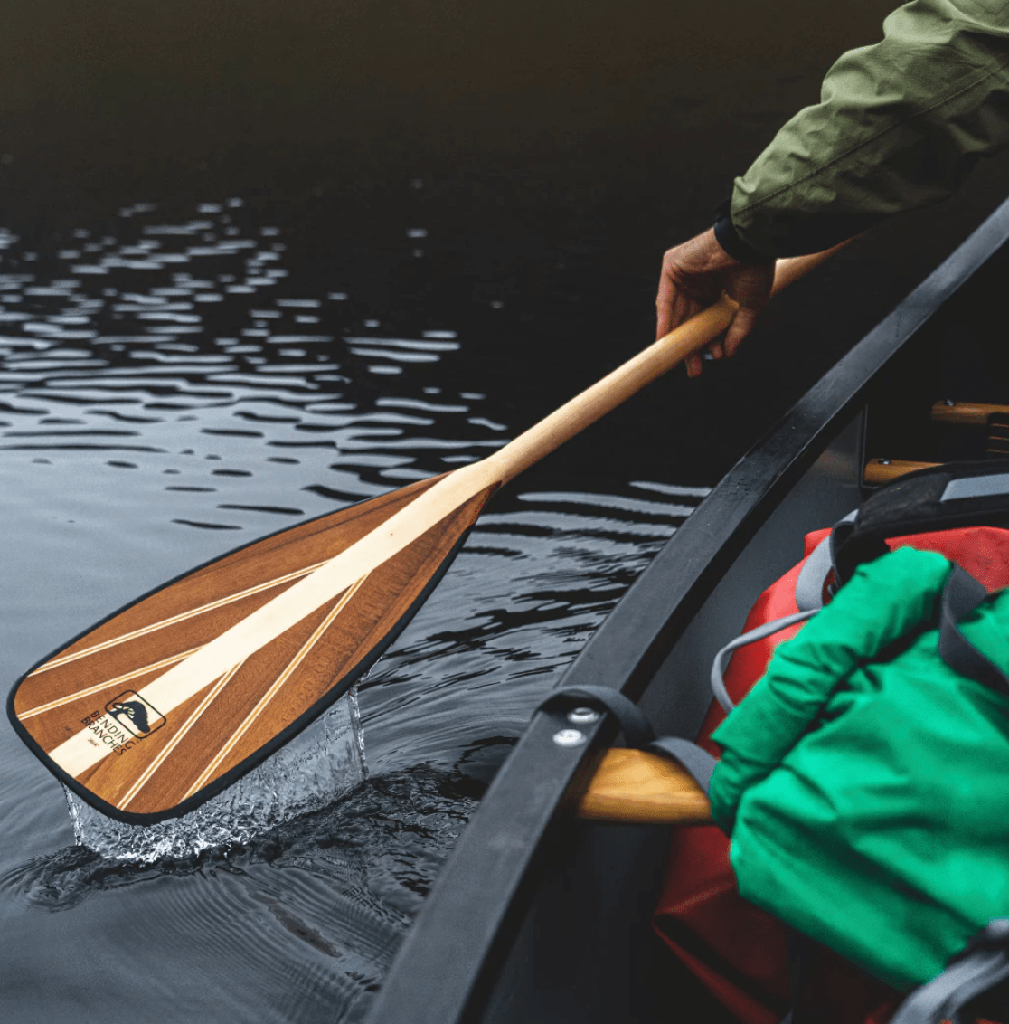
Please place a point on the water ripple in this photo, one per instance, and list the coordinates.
(297, 925)
(173, 388)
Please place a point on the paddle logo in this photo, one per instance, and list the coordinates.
(134, 714)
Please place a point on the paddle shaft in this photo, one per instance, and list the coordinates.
(427, 511)
(615, 388)
(339, 578)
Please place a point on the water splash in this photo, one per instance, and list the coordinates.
(321, 764)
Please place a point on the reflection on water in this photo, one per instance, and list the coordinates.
(171, 391)
(227, 365)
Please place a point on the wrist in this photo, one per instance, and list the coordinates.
(729, 239)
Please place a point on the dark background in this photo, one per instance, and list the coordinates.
(552, 151)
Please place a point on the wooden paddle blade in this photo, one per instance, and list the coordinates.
(90, 712)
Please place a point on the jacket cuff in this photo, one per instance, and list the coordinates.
(728, 238)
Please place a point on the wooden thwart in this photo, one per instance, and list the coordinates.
(166, 703)
(882, 471)
(973, 414)
(636, 786)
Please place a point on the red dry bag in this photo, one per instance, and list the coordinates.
(738, 951)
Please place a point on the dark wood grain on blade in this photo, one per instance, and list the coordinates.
(250, 567)
(145, 633)
(231, 724)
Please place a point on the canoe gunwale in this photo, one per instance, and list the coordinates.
(445, 970)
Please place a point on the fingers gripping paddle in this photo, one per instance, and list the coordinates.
(169, 701)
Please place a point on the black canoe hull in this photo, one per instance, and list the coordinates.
(539, 918)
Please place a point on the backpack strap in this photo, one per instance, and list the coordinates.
(960, 596)
(813, 575)
(978, 969)
(721, 662)
(951, 495)
(809, 588)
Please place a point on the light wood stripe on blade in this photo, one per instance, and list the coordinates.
(332, 579)
(210, 606)
(284, 676)
(79, 753)
(106, 685)
(178, 737)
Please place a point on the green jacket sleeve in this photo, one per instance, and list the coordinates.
(899, 125)
(882, 602)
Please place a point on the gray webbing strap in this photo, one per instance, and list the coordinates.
(721, 662)
(988, 486)
(812, 577)
(961, 595)
(697, 761)
(980, 967)
(808, 599)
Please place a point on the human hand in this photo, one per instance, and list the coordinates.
(694, 275)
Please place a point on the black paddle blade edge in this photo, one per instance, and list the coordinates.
(220, 784)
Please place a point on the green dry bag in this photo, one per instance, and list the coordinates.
(865, 779)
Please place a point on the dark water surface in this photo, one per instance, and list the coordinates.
(261, 260)
(138, 438)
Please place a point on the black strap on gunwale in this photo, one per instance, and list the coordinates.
(961, 595)
(632, 720)
(637, 730)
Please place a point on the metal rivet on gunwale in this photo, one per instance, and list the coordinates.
(583, 716)
(569, 737)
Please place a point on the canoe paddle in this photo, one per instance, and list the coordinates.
(170, 700)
